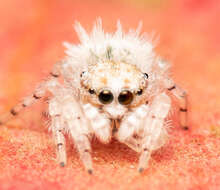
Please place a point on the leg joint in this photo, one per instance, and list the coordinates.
(54, 75)
(172, 88)
(183, 95)
(86, 150)
(24, 105)
(183, 109)
(59, 144)
(36, 97)
(13, 112)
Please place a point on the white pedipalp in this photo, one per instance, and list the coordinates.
(132, 123)
(100, 124)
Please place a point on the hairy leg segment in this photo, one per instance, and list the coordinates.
(38, 94)
(150, 133)
(72, 119)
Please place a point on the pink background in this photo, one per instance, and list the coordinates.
(31, 36)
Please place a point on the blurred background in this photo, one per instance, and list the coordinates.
(31, 37)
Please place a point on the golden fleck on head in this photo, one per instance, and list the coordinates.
(126, 81)
(114, 75)
(103, 80)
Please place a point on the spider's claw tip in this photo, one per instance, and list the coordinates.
(185, 128)
(90, 171)
(141, 170)
(1, 122)
(62, 164)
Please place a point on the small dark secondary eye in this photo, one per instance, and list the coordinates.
(91, 91)
(139, 92)
(146, 76)
(105, 97)
(125, 97)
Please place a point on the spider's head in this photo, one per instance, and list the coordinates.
(113, 65)
(116, 87)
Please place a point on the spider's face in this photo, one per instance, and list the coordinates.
(115, 86)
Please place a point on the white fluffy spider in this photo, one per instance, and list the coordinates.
(109, 85)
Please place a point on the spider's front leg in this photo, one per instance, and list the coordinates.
(59, 139)
(67, 114)
(147, 130)
(155, 134)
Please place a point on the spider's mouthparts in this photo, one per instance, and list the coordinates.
(115, 125)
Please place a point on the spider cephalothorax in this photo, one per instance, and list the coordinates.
(109, 80)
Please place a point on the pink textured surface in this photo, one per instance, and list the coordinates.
(31, 34)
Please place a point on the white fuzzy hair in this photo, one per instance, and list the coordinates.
(132, 47)
(76, 109)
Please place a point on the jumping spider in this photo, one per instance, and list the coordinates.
(113, 85)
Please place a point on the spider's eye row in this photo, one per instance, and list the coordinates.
(105, 97)
(139, 92)
(146, 76)
(125, 97)
(91, 91)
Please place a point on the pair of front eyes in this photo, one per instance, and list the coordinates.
(125, 97)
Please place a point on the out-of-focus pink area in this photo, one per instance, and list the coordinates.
(31, 36)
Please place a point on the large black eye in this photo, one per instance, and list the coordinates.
(125, 97)
(105, 97)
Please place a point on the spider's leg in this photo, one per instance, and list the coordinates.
(28, 101)
(143, 130)
(83, 146)
(75, 122)
(155, 134)
(59, 139)
(182, 97)
(144, 159)
(99, 122)
(38, 93)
